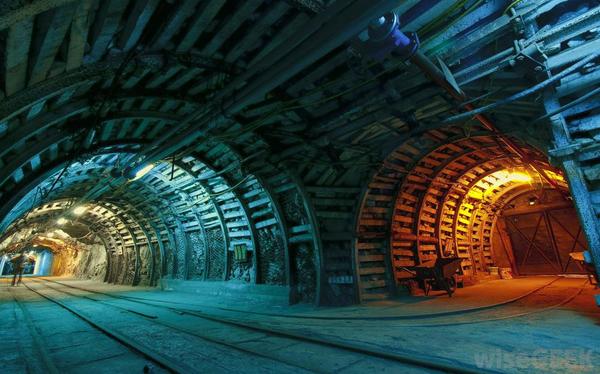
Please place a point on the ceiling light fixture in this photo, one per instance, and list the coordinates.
(139, 171)
(79, 210)
(518, 176)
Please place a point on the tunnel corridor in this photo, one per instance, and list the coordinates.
(453, 202)
(299, 185)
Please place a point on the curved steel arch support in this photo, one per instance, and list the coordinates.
(245, 212)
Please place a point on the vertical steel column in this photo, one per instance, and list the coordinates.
(577, 185)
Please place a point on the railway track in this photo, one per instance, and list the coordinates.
(170, 360)
(510, 309)
(139, 348)
(154, 313)
(515, 308)
(504, 310)
(155, 319)
(43, 363)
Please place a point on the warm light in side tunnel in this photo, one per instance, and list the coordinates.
(486, 186)
(519, 177)
(555, 176)
(61, 221)
(79, 210)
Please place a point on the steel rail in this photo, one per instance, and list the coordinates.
(37, 340)
(403, 358)
(133, 345)
(155, 319)
(308, 317)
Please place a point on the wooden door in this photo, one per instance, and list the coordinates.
(542, 240)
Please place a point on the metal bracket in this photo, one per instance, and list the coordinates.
(530, 58)
(448, 75)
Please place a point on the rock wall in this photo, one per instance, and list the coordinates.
(85, 261)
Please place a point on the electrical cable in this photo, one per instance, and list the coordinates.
(227, 190)
(442, 23)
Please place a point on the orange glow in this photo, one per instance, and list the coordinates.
(555, 176)
(519, 177)
(487, 185)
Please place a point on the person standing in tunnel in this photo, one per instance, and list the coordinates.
(18, 268)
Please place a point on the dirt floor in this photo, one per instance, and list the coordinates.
(536, 324)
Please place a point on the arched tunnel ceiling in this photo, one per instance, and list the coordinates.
(156, 76)
(267, 122)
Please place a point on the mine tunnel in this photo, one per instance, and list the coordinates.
(201, 186)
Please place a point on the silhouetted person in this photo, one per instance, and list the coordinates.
(18, 268)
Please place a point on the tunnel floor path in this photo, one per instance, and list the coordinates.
(538, 324)
(480, 296)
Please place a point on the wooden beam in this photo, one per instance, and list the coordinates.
(241, 14)
(204, 18)
(136, 23)
(283, 35)
(18, 11)
(259, 28)
(173, 23)
(108, 18)
(51, 30)
(17, 48)
(78, 35)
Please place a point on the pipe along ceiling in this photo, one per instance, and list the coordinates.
(323, 147)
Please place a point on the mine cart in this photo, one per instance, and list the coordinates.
(438, 274)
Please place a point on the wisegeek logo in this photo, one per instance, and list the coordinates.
(569, 360)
